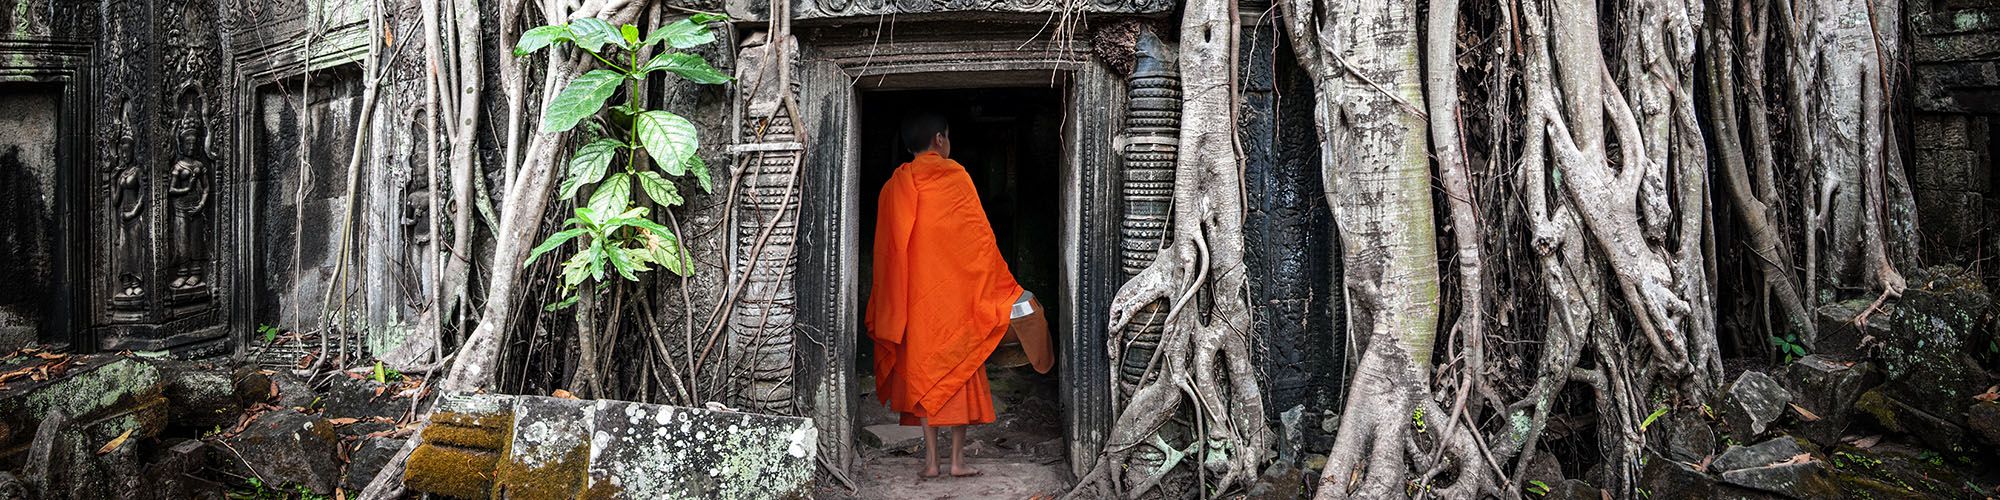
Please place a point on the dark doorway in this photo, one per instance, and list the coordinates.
(1010, 142)
(31, 232)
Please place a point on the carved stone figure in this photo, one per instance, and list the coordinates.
(189, 190)
(128, 204)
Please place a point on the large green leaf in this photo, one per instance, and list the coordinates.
(597, 258)
(699, 168)
(671, 255)
(613, 194)
(629, 33)
(668, 137)
(689, 66)
(582, 98)
(682, 34)
(620, 262)
(589, 164)
(659, 189)
(535, 39)
(555, 240)
(593, 34)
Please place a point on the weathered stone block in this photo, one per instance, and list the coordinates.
(1827, 387)
(563, 448)
(1795, 480)
(202, 396)
(173, 472)
(1839, 336)
(1954, 169)
(1769, 452)
(893, 437)
(1951, 219)
(1571, 489)
(1941, 131)
(288, 448)
(1956, 47)
(361, 399)
(1751, 403)
(1663, 479)
(645, 451)
(1934, 327)
(1688, 437)
(366, 459)
(89, 388)
(1896, 416)
(551, 449)
(1889, 470)
(1984, 420)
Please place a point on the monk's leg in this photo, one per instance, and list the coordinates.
(930, 450)
(958, 467)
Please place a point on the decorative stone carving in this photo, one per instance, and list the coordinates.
(190, 189)
(761, 324)
(154, 204)
(128, 185)
(1150, 148)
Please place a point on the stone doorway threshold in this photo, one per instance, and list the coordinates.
(1020, 455)
(894, 477)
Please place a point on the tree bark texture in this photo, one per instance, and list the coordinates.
(1203, 358)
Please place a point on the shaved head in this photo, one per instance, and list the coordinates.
(921, 129)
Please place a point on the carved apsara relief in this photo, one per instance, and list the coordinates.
(190, 195)
(128, 181)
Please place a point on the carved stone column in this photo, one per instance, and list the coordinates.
(1150, 148)
(161, 188)
(766, 233)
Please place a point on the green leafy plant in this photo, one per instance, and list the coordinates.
(617, 234)
(385, 374)
(1648, 422)
(269, 332)
(1789, 346)
(1538, 488)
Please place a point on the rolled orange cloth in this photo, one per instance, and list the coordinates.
(1029, 327)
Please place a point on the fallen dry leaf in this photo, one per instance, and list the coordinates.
(1797, 459)
(1992, 393)
(563, 394)
(1868, 442)
(113, 445)
(1808, 415)
(342, 420)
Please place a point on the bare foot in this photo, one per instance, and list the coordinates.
(930, 472)
(963, 471)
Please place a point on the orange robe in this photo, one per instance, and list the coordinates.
(940, 298)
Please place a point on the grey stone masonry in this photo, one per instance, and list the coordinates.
(1955, 57)
(480, 445)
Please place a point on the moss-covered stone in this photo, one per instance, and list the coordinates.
(561, 448)
(451, 471)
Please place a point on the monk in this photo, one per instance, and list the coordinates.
(942, 297)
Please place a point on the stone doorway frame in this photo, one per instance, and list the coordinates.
(831, 76)
(65, 64)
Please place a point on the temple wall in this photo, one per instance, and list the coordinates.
(1956, 96)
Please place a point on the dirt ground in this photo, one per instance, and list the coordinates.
(1019, 456)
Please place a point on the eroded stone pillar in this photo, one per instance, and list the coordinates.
(1150, 148)
(766, 231)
